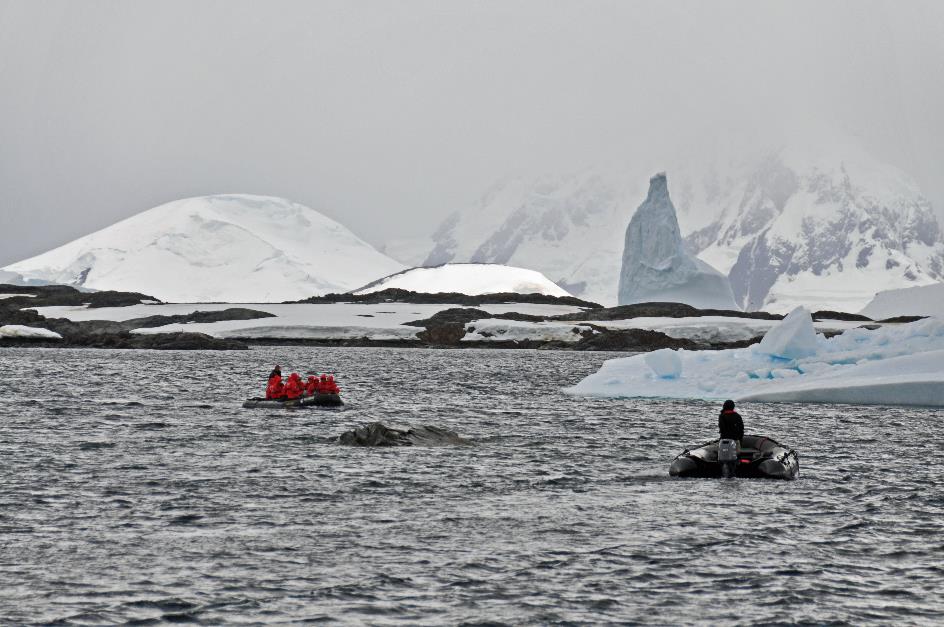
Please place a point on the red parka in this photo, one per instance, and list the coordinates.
(275, 389)
(294, 388)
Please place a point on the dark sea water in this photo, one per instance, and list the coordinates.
(134, 488)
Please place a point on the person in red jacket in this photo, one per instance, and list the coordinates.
(294, 388)
(331, 387)
(275, 389)
(311, 387)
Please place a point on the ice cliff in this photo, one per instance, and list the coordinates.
(656, 266)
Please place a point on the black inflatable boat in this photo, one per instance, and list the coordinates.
(318, 400)
(758, 457)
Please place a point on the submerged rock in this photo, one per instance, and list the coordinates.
(378, 434)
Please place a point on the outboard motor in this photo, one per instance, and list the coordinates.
(727, 456)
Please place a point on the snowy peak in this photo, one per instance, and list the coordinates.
(473, 279)
(230, 248)
(560, 226)
(838, 232)
(656, 266)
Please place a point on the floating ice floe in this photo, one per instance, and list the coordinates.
(19, 330)
(893, 365)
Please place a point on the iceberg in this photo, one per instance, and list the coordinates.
(793, 338)
(656, 266)
(892, 365)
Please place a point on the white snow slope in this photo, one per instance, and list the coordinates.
(927, 300)
(226, 248)
(893, 365)
(656, 266)
(467, 278)
(823, 230)
(19, 330)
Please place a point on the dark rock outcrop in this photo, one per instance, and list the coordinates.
(661, 310)
(233, 313)
(378, 434)
(48, 295)
(903, 319)
(394, 295)
(827, 314)
(638, 340)
(107, 333)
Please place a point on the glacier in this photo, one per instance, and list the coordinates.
(892, 365)
(657, 268)
(223, 248)
(467, 278)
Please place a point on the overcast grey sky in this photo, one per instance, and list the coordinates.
(388, 115)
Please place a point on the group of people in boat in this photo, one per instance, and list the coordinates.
(294, 387)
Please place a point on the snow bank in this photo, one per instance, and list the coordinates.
(468, 278)
(927, 300)
(2, 296)
(896, 364)
(18, 330)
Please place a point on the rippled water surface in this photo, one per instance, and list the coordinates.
(135, 488)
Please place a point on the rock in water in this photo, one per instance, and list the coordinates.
(656, 266)
(378, 434)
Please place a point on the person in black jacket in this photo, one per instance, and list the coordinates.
(730, 424)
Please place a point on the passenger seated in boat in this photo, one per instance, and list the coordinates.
(275, 389)
(311, 387)
(330, 387)
(730, 424)
(294, 388)
(277, 371)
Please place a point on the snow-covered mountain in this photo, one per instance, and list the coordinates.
(570, 229)
(656, 266)
(467, 278)
(790, 228)
(229, 248)
(828, 232)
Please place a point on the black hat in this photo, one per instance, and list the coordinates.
(728, 405)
